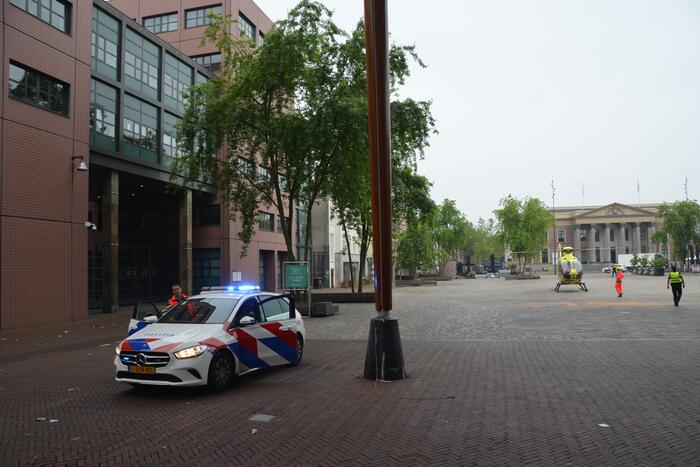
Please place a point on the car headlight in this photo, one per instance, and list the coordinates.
(118, 348)
(191, 352)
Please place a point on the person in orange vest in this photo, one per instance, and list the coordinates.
(619, 275)
(178, 295)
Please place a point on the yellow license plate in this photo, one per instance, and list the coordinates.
(144, 370)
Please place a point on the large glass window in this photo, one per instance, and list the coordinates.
(53, 12)
(141, 64)
(200, 78)
(200, 16)
(140, 129)
(245, 167)
(211, 62)
(103, 115)
(161, 23)
(170, 146)
(206, 214)
(246, 27)
(105, 40)
(261, 39)
(206, 268)
(178, 78)
(267, 222)
(38, 89)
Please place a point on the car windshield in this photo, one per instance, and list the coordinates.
(201, 311)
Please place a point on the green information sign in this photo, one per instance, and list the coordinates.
(296, 275)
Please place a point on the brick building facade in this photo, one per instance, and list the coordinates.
(85, 86)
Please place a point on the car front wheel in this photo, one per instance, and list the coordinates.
(221, 371)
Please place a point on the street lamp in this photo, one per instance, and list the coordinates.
(82, 166)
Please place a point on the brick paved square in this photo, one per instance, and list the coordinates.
(500, 373)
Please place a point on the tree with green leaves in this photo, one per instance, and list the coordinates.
(411, 125)
(280, 107)
(451, 232)
(680, 222)
(487, 242)
(415, 249)
(522, 225)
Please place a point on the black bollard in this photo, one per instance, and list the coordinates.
(384, 357)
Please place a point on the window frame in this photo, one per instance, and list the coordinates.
(207, 10)
(157, 128)
(144, 67)
(172, 136)
(174, 87)
(97, 33)
(199, 209)
(67, 18)
(95, 83)
(160, 23)
(270, 221)
(208, 64)
(39, 76)
(243, 20)
(561, 235)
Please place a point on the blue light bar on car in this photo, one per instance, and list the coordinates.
(246, 288)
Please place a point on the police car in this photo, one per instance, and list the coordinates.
(210, 338)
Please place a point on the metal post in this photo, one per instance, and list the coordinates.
(384, 358)
(185, 241)
(555, 238)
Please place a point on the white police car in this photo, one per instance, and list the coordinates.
(210, 338)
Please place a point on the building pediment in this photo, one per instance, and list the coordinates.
(615, 210)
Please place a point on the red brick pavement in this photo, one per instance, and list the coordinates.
(465, 403)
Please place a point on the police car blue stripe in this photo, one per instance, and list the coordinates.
(280, 348)
(247, 358)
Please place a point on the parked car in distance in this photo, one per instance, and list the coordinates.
(609, 269)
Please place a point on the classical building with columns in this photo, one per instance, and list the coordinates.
(600, 233)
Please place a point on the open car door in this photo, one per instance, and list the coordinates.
(145, 312)
(279, 320)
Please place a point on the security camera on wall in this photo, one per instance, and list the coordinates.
(90, 226)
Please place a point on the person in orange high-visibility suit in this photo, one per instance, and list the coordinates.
(178, 295)
(619, 275)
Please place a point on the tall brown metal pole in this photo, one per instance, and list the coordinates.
(384, 359)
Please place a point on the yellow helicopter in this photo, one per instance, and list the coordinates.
(569, 269)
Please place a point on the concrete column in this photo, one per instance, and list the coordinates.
(606, 244)
(637, 238)
(653, 248)
(591, 244)
(185, 241)
(110, 252)
(577, 240)
(621, 239)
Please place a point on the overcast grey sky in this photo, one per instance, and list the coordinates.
(594, 92)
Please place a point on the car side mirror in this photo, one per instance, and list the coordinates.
(150, 319)
(247, 321)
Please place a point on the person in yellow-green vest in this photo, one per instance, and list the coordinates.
(676, 283)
